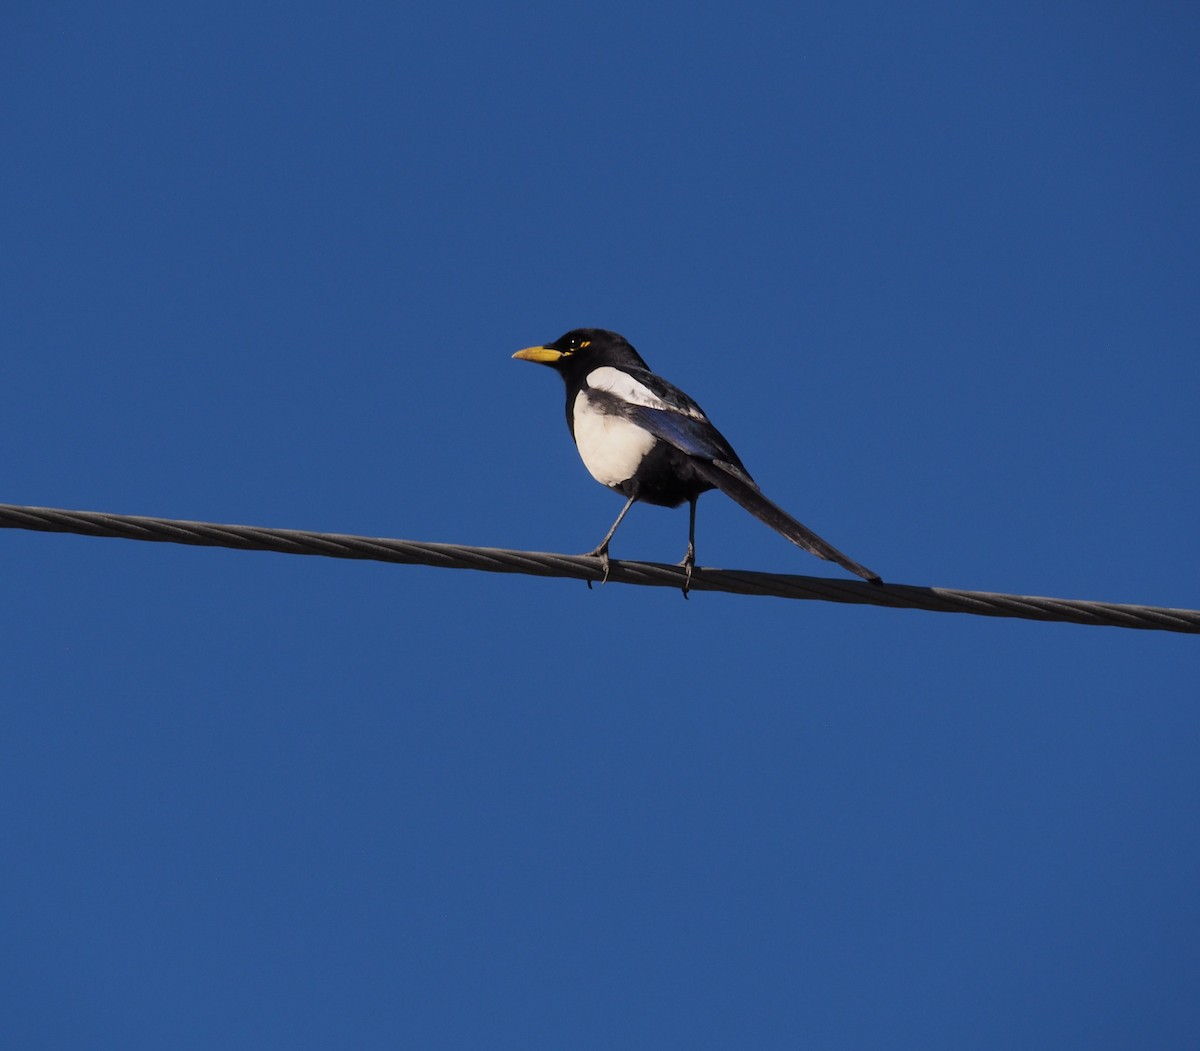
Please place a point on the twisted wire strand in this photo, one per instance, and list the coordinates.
(587, 567)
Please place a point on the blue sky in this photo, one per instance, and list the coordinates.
(932, 269)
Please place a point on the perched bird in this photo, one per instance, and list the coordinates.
(645, 438)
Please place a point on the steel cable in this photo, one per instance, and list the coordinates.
(586, 567)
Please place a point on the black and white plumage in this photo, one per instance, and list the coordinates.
(645, 438)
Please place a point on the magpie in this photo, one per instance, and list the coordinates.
(643, 437)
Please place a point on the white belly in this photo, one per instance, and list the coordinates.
(611, 447)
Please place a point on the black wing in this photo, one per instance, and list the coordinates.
(682, 423)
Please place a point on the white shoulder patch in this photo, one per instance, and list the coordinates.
(625, 387)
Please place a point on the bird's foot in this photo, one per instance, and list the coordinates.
(688, 564)
(601, 553)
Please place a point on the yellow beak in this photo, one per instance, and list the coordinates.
(542, 355)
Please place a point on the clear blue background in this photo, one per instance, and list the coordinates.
(933, 268)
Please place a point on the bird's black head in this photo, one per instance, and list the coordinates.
(584, 349)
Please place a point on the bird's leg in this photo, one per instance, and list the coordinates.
(601, 550)
(689, 560)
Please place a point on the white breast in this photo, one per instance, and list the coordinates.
(611, 447)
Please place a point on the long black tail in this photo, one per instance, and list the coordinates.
(739, 488)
